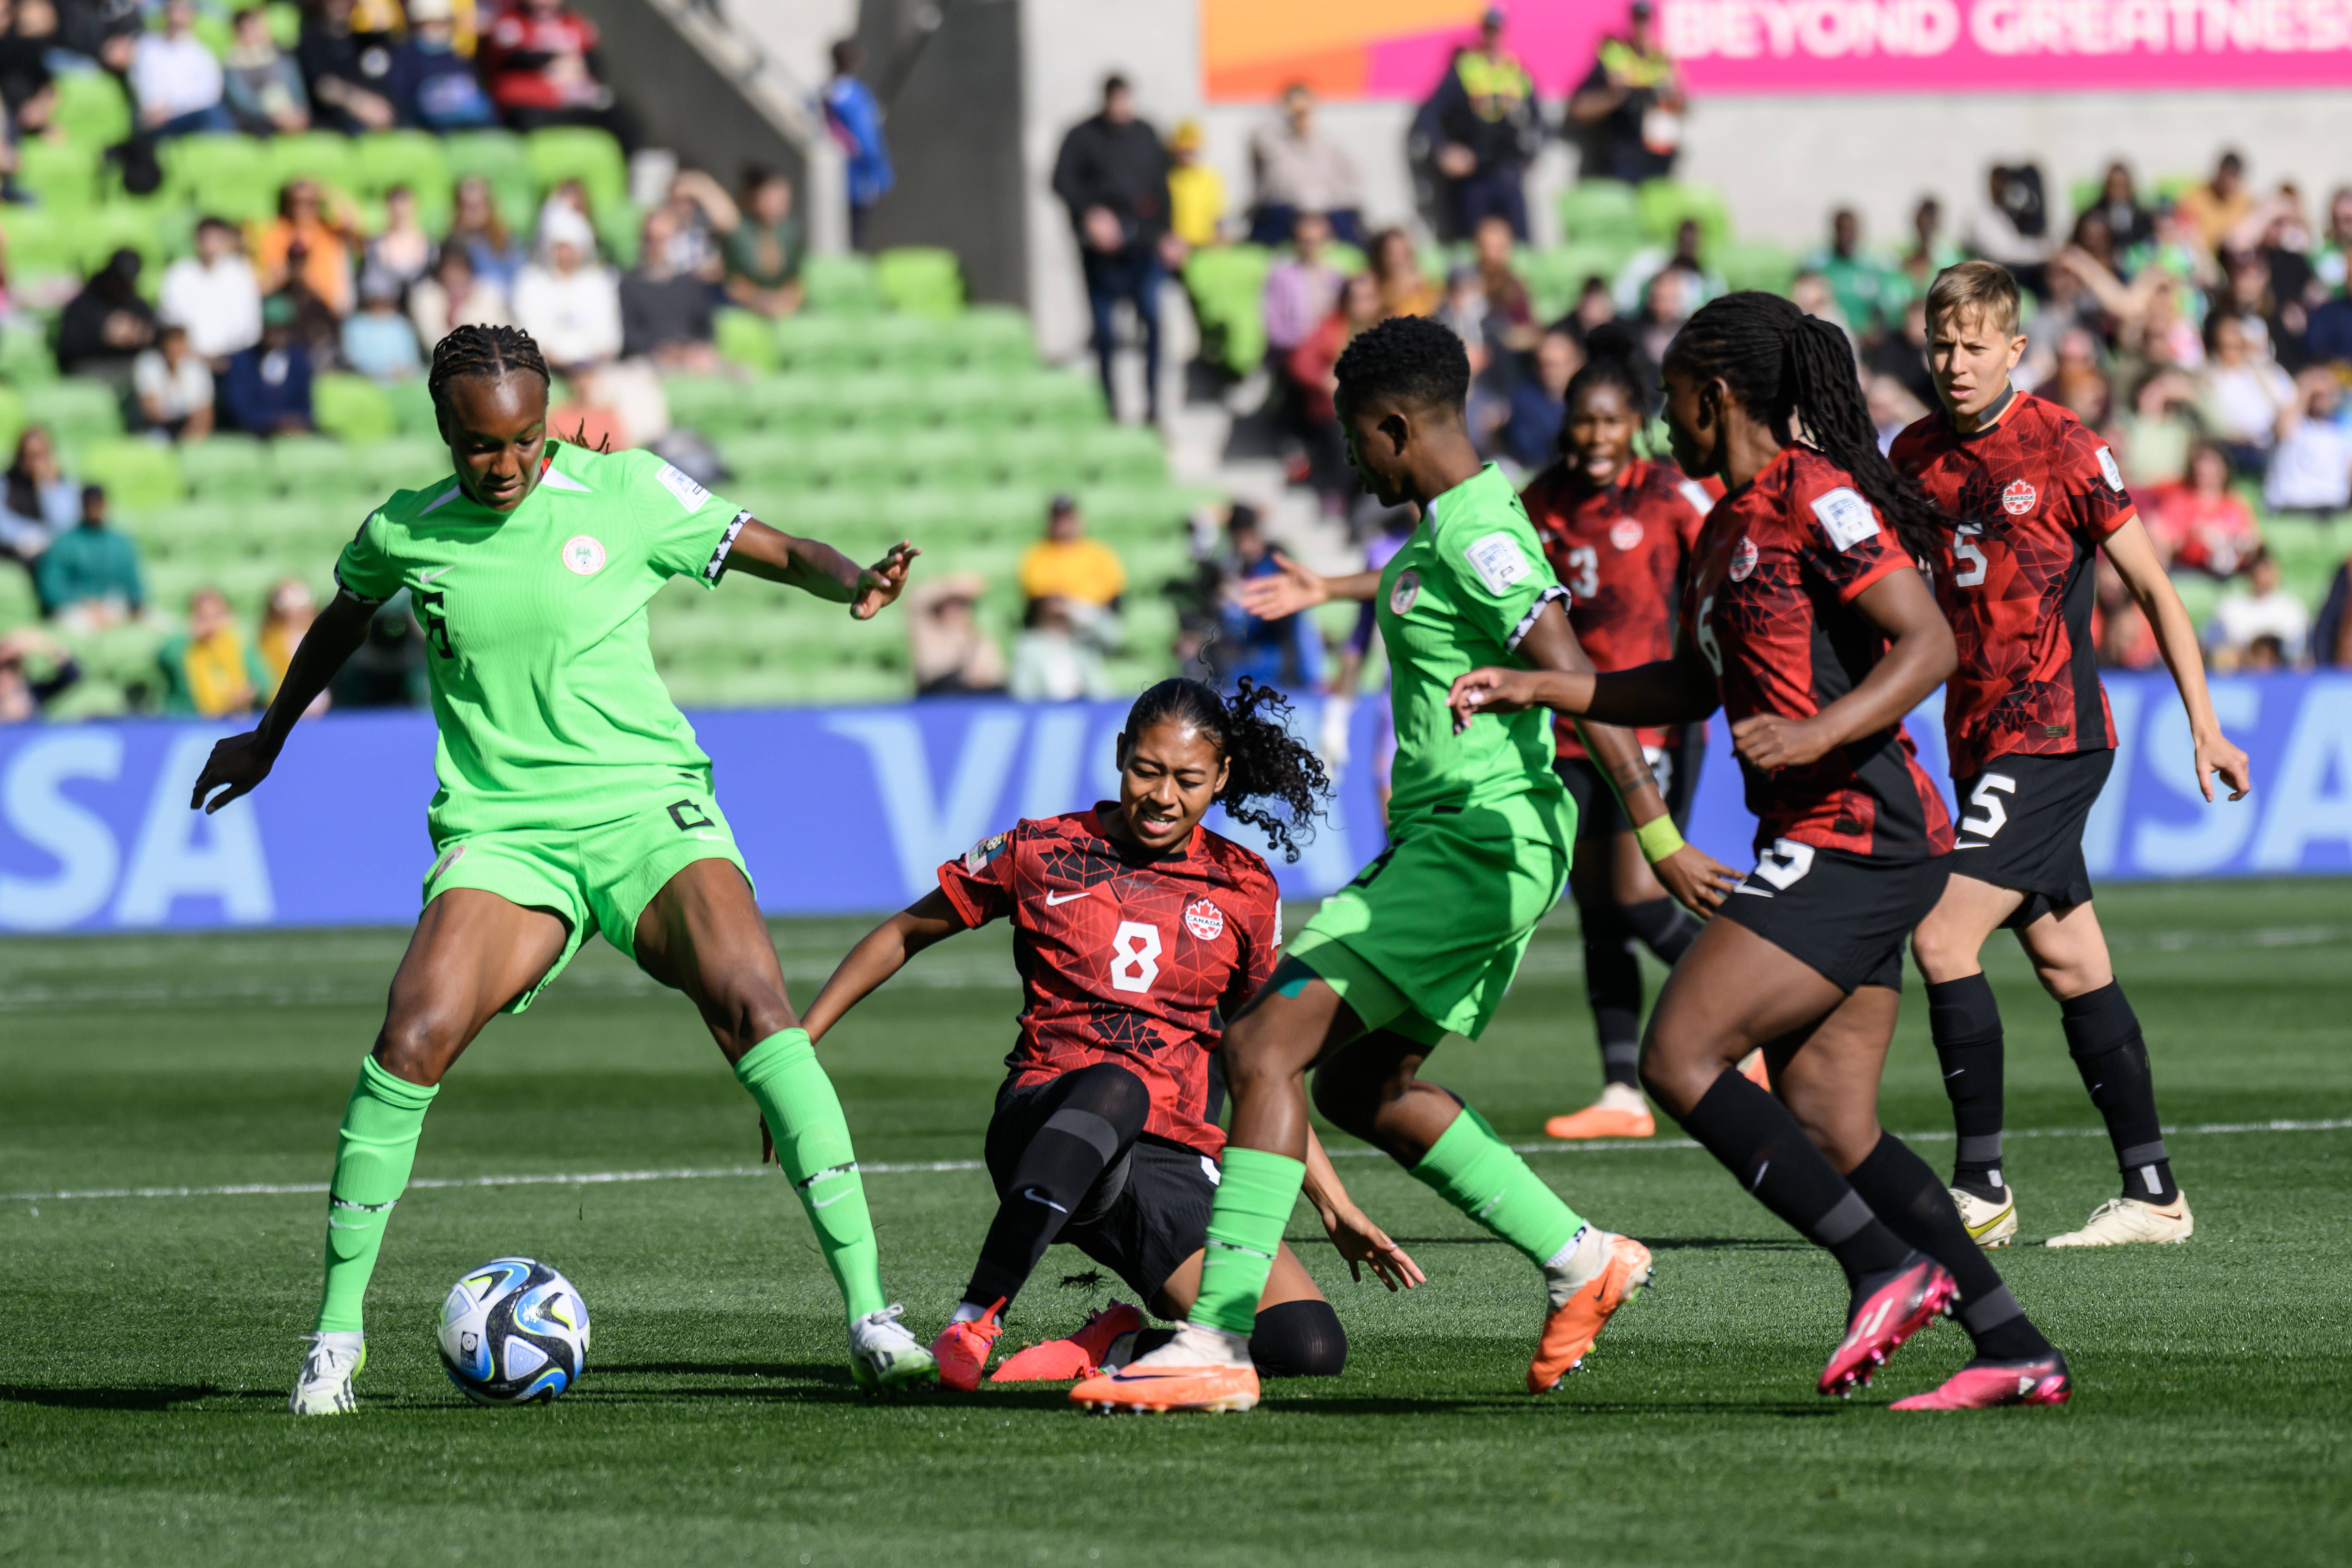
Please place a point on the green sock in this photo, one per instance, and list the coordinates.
(372, 1156)
(812, 1145)
(1477, 1172)
(1253, 1208)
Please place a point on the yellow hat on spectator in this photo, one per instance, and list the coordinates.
(1186, 137)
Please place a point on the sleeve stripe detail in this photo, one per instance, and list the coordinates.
(1527, 622)
(718, 563)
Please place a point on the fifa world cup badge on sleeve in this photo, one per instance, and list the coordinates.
(1498, 561)
(1845, 517)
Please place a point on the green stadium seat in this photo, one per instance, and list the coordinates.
(911, 342)
(796, 400)
(1555, 277)
(498, 157)
(137, 475)
(991, 337)
(1043, 458)
(18, 605)
(25, 359)
(578, 153)
(771, 458)
(92, 109)
(105, 230)
(820, 342)
(1121, 514)
(862, 459)
(713, 405)
(322, 156)
(412, 158)
(1226, 283)
(923, 281)
(1602, 212)
(227, 465)
(41, 243)
(76, 412)
(1061, 397)
(402, 463)
(352, 408)
(228, 176)
(882, 400)
(306, 465)
(1665, 204)
(1123, 455)
(1754, 264)
(840, 283)
(977, 400)
(411, 406)
(950, 454)
(64, 174)
(745, 338)
(619, 231)
(12, 417)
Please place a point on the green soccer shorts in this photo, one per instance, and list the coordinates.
(1426, 940)
(598, 877)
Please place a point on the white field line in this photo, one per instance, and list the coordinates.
(904, 1167)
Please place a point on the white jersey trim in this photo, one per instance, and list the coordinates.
(718, 563)
(1527, 622)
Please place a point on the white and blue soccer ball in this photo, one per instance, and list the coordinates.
(514, 1332)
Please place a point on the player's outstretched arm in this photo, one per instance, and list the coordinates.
(242, 762)
(1359, 1241)
(815, 567)
(1677, 690)
(1301, 587)
(1920, 657)
(879, 954)
(2134, 556)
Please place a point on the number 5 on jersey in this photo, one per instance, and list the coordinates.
(1134, 956)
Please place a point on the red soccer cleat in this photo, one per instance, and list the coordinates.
(1885, 1313)
(961, 1349)
(1982, 1385)
(1058, 1360)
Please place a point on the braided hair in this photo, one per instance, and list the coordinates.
(1267, 763)
(1795, 373)
(492, 352)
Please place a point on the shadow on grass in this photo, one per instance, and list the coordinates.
(1436, 1404)
(162, 1396)
(1655, 1244)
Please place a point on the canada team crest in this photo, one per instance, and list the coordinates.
(2017, 498)
(1625, 532)
(1204, 919)
(1743, 560)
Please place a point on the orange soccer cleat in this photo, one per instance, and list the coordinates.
(1570, 1328)
(1602, 1121)
(961, 1349)
(1058, 1361)
(1157, 1390)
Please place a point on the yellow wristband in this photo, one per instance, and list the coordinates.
(1658, 838)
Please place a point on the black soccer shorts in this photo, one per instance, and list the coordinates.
(2020, 827)
(1841, 914)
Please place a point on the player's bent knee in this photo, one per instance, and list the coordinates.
(419, 1046)
(1299, 1338)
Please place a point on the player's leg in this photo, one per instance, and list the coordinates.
(1296, 1333)
(473, 953)
(1964, 1021)
(702, 933)
(2102, 1035)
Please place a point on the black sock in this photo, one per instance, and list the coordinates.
(1966, 1026)
(1902, 1190)
(1664, 927)
(1298, 1339)
(1759, 1142)
(1100, 1113)
(2103, 1037)
(1613, 983)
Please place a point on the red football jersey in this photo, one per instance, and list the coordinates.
(1124, 957)
(2036, 495)
(1623, 554)
(1770, 605)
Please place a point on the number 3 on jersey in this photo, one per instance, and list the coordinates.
(1584, 571)
(1134, 956)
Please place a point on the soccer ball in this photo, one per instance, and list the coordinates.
(514, 1332)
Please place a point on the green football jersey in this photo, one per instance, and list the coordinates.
(1460, 594)
(550, 713)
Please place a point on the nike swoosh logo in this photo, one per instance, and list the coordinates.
(1956, 1072)
(424, 579)
(828, 1203)
(337, 1225)
(1053, 898)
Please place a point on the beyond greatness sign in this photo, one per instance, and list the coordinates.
(1399, 48)
(853, 809)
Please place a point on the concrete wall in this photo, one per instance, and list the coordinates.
(682, 101)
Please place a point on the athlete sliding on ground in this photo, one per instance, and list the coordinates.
(1134, 926)
(1809, 625)
(573, 797)
(2035, 495)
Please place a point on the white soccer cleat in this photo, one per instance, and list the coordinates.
(1992, 1222)
(324, 1388)
(2119, 1222)
(884, 1356)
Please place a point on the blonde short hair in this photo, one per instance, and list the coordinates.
(1971, 287)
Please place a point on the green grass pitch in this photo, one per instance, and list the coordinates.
(146, 1342)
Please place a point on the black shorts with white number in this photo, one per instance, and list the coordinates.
(1841, 914)
(2021, 828)
(1145, 1214)
(1597, 812)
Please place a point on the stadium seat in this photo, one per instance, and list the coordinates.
(104, 230)
(411, 406)
(1665, 204)
(1123, 455)
(770, 458)
(351, 408)
(1061, 397)
(800, 402)
(1602, 212)
(412, 158)
(713, 405)
(820, 342)
(578, 153)
(12, 420)
(745, 338)
(64, 174)
(311, 465)
(137, 475)
(865, 460)
(911, 341)
(1043, 458)
(92, 108)
(1556, 278)
(76, 412)
(41, 244)
(225, 465)
(25, 359)
(228, 176)
(322, 156)
(498, 157)
(1754, 264)
(840, 283)
(922, 281)
(402, 463)
(1226, 283)
(990, 337)
(881, 400)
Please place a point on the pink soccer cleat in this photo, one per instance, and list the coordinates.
(1983, 1384)
(1887, 1310)
(1080, 1355)
(961, 1349)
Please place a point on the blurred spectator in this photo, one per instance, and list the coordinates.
(1510, 319)
(1315, 384)
(1810, 292)
(2329, 269)
(1485, 114)
(2130, 224)
(432, 85)
(854, 118)
(377, 340)
(214, 294)
(2245, 394)
(2331, 630)
(2327, 334)
(1930, 252)
(1630, 106)
(2217, 205)
(175, 81)
(477, 228)
(2119, 630)
(88, 577)
(105, 326)
(263, 86)
(1647, 263)
(1111, 173)
(1196, 192)
(1463, 313)
(1596, 306)
(1287, 652)
(1296, 168)
(1539, 402)
(2199, 524)
(1893, 408)
(312, 237)
(953, 654)
(34, 670)
(1053, 658)
(2012, 224)
(210, 670)
(2067, 306)
(2077, 383)
(1404, 288)
(1902, 356)
(399, 253)
(1867, 293)
(701, 215)
(40, 502)
(2094, 239)
(348, 71)
(588, 415)
(173, 388)
(666, 314)
(105, 32)
(2311, 468)
(1067, 565)
(284, 620)
(267, 388)
(451, 296)
(1672, 297)
(763, 251)
(567, 300)
(2256, 610)
(2153, 439)
(539, 59)
(1301, 289)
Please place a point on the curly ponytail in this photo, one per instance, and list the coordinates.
(1796, 372)
(1266, 762)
